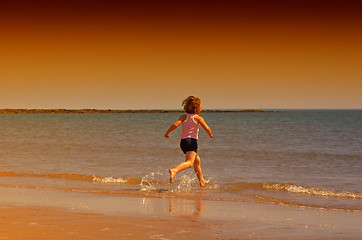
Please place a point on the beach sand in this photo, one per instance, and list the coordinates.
(47, 214)
(55, 223)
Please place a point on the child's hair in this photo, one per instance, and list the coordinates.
(192, 105)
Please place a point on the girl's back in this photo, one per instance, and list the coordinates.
(190, 128)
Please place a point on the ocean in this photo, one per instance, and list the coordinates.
(301, 158)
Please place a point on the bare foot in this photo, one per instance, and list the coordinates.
(172, 174)
(203, 183)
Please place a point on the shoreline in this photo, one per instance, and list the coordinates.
(61, 224)
(94, 216)
(87, 111)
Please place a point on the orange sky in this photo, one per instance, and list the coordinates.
(153, 54)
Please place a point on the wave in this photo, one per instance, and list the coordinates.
(74, 176)
(156, 184)
(170, 194)
(292, 188)
(70, 176)
(151, 181)
(156, 181)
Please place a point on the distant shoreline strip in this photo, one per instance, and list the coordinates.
(60, 111)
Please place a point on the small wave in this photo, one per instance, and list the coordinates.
(12, 174)
(74, 176)
(292, 188)
(108, 180)
(156, 181)
(69, 176)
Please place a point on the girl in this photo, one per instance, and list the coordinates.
(190, 129)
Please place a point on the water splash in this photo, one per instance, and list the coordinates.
(186, 184)
(153, 182)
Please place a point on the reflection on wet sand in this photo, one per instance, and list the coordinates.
(189, 208)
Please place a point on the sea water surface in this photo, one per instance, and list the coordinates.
(302, 158)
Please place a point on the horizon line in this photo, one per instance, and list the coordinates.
(94, 110)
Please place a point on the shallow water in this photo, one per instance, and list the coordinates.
(306, 158)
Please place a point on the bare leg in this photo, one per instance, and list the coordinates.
(190, 158)
(198, 171)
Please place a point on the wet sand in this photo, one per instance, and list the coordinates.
(41, 214)
(56, 223)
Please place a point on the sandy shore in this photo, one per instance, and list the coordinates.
(41, 214)
(55, 223)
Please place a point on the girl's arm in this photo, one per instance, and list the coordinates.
(175, 125)
(202, 122)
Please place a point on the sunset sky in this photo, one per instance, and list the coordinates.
(152, 54)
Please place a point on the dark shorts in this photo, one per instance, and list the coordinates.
(188, 144)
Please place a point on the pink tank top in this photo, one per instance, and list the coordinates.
(190, 129)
